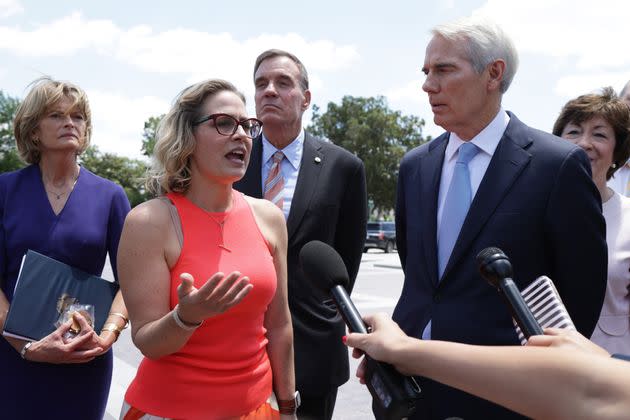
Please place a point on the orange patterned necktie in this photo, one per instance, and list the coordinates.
(274, 184)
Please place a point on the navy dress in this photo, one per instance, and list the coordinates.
(82, 234)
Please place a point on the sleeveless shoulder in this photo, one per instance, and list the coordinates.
(177, 224)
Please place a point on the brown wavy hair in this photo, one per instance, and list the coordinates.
(608, 106)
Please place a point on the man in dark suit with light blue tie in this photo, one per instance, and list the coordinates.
(321, 189)
(490, 180)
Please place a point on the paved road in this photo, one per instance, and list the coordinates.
(377, 289)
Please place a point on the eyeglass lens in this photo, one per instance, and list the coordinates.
(227, 126)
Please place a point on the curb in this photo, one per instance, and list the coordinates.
(388, 266)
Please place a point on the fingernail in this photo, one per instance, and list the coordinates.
(344, 338)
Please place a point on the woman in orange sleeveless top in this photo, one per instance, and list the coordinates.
(203, 273)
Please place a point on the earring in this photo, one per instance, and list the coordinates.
(35, 140)
(614, 166)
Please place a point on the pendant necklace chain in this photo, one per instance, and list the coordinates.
(58, 195)
(221, 224)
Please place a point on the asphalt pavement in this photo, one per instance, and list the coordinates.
(377, 289)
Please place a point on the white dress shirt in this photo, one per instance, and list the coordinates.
(487, 141)
(290, 167)
(620, 182)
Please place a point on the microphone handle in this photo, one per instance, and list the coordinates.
(394, 396)
(348, 311)
(523, 315)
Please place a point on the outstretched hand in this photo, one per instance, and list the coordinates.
(216, 296)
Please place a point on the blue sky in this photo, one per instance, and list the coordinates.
(133, 57)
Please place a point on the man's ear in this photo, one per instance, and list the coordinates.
(496, 70)
(307, 100)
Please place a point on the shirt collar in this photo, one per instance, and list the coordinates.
(487, 140)
(292, 152)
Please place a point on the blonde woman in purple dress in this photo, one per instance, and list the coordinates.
(59, 209)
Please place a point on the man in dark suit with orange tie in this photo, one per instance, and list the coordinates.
(321, 189)
(490, 180)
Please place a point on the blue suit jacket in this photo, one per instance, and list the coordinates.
(536, 202)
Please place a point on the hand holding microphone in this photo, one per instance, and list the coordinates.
(394, 395)
(384, 341)
(495, 373)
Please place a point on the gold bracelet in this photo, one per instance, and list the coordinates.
(124, 318)
(111, 327)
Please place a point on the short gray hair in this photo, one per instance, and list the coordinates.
(272, 53)
(485, 43)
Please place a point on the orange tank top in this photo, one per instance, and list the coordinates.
(223, 370)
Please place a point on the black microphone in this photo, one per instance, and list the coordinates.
(324, 266)
(496, 268)
(393, 394)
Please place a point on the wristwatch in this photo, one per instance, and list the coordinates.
(289, 406)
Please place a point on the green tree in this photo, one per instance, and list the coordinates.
(126, 172)
(149, 134)
(378, 135)
(9, 159)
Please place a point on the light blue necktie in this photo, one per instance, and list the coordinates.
(456, 205)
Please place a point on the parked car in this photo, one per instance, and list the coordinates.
(380, 235)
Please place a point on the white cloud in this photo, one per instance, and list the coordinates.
(412, 91)
(10, 8)
(411, 99)
(193, 55)
(200, 55)
(318, 55)
(594, 34)
(184, 51)
(118, 121)
(60, 37)
(567, 86)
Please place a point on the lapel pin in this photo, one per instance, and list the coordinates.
(318, 159)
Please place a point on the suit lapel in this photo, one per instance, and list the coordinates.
(251, 184)
(507, 163)
(306, 185)
(431, 171)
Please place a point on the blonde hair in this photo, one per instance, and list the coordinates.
(44, 94)
(170, 169)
